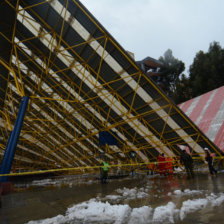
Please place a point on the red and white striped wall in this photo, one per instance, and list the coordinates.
(207, 112)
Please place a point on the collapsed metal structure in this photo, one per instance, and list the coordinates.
(80, 81)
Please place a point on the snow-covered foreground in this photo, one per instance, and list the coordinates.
(108, 210)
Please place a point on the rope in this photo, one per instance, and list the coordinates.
(93, 167)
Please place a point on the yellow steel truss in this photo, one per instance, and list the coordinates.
(63, 120)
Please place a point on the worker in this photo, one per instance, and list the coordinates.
(169, 165)
(187, 161)
(209, 160)
(151, 168)
(161, 164)
(104, 171)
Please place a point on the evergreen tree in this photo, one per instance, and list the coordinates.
(205, 74)
(171, 70)
(207, 70)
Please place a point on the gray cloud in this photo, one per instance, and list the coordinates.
(150, 27)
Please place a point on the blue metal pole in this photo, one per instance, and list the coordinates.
(13, 139)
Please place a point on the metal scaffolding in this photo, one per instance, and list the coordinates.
(80, 81)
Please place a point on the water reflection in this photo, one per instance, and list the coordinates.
(214, 184)
(137, 192)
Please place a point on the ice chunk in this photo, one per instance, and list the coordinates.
(192, 206)
(187, 192)
(91, 211)
(215, 200)
(165, 213)
(218, 201)
(140, 215)
(141, 195)
(60, 219)
(132, 193)
(113, 197)
(94, 211)
(178, 192)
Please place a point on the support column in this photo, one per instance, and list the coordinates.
(12, 141)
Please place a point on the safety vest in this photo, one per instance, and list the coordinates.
(105, 166)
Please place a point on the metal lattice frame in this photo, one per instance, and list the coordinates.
(79, 83)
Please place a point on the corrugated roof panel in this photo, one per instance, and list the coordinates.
(207, 111)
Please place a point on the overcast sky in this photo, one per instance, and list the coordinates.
(150, 27)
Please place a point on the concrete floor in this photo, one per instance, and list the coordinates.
(39, 202)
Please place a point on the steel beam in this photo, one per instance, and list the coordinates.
(13, 139)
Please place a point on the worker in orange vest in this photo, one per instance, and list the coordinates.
(151, 167)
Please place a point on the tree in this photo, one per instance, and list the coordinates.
(207, 70)
(183, 91)
(171, 70)
(205, 74)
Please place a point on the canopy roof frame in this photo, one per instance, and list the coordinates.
(81, 81)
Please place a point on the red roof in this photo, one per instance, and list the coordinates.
(207, 112)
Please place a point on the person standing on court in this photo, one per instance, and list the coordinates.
(104, 171)
(209, 160)
(187, 161)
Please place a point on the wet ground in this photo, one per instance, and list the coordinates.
(141, 199)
